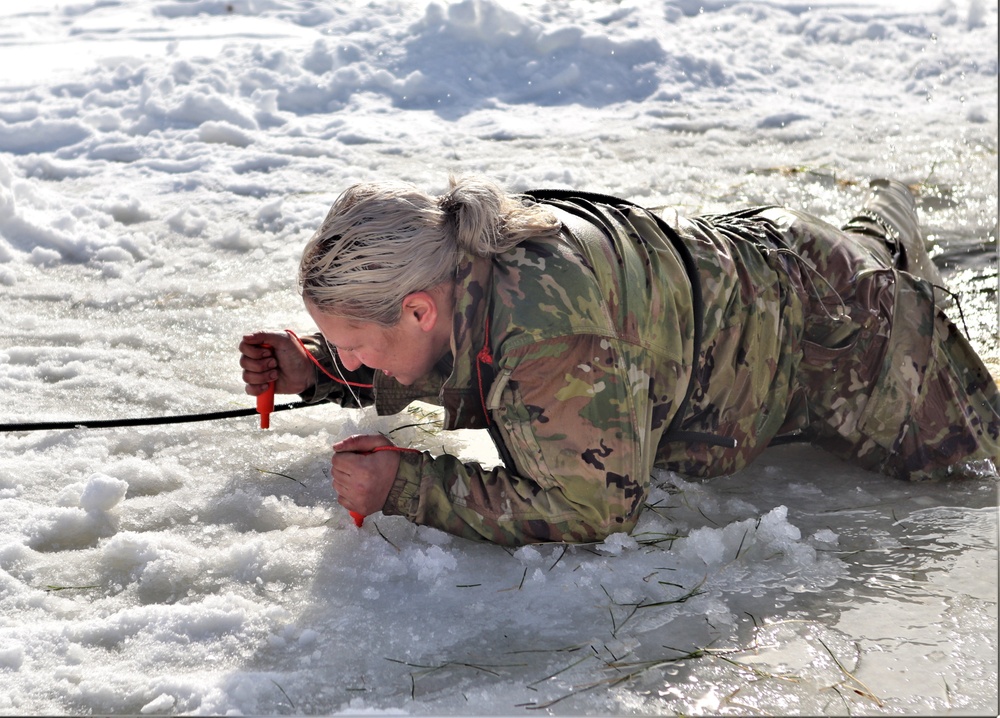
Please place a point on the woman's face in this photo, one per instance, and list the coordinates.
(406, 351)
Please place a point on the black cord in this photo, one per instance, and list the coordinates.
(146, 421)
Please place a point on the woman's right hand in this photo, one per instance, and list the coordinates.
(283, 361)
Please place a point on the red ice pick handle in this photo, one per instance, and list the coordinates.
(265, 403)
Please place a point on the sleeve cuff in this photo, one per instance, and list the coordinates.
(322, 385)
(404, 496)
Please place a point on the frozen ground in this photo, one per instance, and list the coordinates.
(162, 162)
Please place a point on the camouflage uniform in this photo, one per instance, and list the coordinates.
(577, 354)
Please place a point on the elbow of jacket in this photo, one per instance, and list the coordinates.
(613, 522)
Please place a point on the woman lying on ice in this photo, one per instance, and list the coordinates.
(596, 340)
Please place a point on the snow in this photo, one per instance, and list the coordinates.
(163, 162)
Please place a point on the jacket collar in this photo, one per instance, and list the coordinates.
(462, 394)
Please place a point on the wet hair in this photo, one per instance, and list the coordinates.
(383, 241)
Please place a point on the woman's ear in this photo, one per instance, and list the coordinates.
(420, 308)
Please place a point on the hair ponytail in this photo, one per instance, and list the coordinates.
(383, 241)
(488, 221)
(475, 210)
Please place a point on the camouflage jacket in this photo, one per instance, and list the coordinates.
(576, 353)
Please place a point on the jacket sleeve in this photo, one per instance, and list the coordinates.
(359, 392)
(574, 416)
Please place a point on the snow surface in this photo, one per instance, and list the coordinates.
(162, 163)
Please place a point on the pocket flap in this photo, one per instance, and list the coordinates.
(908, 352)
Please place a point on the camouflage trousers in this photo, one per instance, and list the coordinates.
(887, 381)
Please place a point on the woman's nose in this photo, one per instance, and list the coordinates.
(350, 362)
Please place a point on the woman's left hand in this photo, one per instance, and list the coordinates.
(364, 469)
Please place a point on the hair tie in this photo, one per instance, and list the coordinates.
(449, 204)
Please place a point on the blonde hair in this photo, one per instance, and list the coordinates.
(383, 241)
